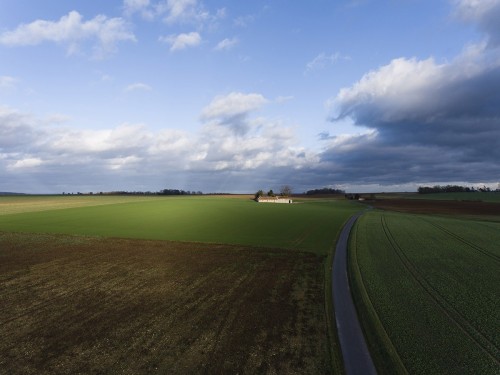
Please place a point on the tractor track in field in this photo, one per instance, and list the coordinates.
(455, 316)
(302, 237)
(466, 242)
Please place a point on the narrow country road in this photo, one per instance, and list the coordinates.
(357, 359)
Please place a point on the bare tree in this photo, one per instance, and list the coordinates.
(286, 191)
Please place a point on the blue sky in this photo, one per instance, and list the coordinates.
(225, 96)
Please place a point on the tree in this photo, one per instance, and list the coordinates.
(286, 191)
(270, 193)
(258, 194)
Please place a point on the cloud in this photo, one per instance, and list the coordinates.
(428, 121)
(485, 14)
(232, 110)
(25, 163)
(37, 155)
(233, 104)
(322, 60)
(138, 87)
(72, 31)
(7, 82)
(16, 130)
(178, 10)
(57, 118)
(284, 99)
(182, 41)
(423, 120)
(174, 11)
(244, 21)
(143, 7)
(226, 44)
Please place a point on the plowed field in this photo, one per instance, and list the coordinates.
(73, 304)
(447, 207)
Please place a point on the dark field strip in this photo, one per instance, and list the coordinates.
(427, 298)
(122, 306)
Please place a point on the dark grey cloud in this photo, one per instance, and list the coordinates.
(426, 121)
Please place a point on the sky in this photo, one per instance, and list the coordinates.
(226, 96)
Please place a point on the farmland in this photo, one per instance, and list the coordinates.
(310, 226)
(427, 292)
(160, 284)
(476, 210)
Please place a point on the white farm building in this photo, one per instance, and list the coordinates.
(263, 199)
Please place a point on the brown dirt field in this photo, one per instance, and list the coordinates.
(117, 306)
(438, 207)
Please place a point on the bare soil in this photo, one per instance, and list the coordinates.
(448, 207)
(117, 306)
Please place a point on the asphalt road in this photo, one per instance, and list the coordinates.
(357, 359)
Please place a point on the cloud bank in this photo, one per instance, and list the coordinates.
(427, 121)
(132, 156)
(420, 121)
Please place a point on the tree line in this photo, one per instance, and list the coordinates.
(325, 191)
(161, 192)
(450, 189)
(285, 191)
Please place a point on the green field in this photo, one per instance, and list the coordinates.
(101, 284)
(427, 291)
(310, 226)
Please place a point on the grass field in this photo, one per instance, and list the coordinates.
(302, 226)
(100, 286)
(427, 290)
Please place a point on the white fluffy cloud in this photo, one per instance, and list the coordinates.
(132, 156)
(182, 41)
(233, 104)
(72, 31)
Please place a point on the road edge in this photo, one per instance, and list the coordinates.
(355, 353)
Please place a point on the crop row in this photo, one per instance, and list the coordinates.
(432, 293)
